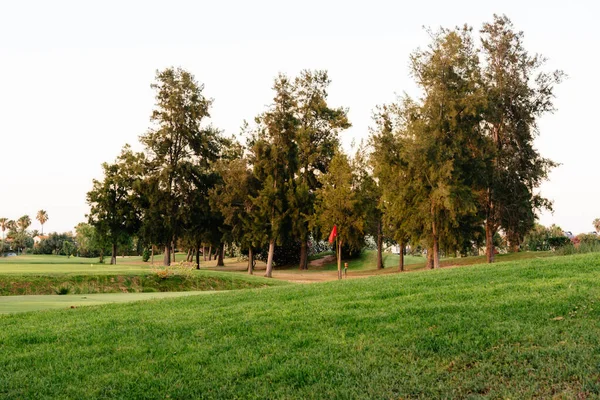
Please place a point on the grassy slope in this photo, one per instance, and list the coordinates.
(11, 285)
(505, 330)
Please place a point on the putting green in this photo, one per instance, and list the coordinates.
(17, 304)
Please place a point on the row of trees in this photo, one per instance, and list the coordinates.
(16, 233)
(446, 171)
(458, 165)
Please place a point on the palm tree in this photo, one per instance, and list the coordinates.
(11, 225)
(3, 226)
(24, 222)
(42, 216)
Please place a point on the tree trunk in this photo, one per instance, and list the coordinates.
(489, 241)
(198, 256)
(270, 259)
(210, 253)
(167, 256)
(436, 248)
(173, 248)
(436, 253)
(204, 253)
(379, 246)
(250, 261)
(220, 262)
(152, 256)
(401, 258)
(304, 255)
(189, 255)
(339, 259)
(113, 256)
(101, 260)
(430, 258)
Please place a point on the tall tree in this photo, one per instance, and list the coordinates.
(177, 145)
(42, 217)
(337, 204)
(112, 210)
(3, 227)
(389, 143)
(446, 151)
(368, 194)
(318, 127)
(24, 222)
(274, 158)
(518, 93)
(232, 198)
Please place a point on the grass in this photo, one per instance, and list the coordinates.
(367, 260)
(193, 280)
(509, 330)
(18, 304)
(46, 275)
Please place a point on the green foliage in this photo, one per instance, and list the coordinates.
(541, 238)
(67, 248)
(517, 94)
(180, 152)
(42, 217)
(146, 255)
(337, 204)
(112, 202)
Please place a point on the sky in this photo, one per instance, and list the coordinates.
(75, 81)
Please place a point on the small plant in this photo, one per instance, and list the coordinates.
(146, 255)
(63, 290)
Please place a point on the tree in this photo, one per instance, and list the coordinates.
(274, 159)
(88, 242)
(337, 205)
(368, 194)
(177, 145)
(3, 227)
(232, 198)
(20, 236)
(389, 142)
(596, 224)
(24, 222)
(517, 95)
(318, 127)
(67, 248)
(112, 211)
(445, 157)
(42, 217)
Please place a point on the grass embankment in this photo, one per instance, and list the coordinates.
(18, 304)
(509, 330)
(11, 285)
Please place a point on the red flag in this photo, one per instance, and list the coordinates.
(333, 234)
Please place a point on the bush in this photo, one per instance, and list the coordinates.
(146, 255)
(63, 290)
(558, 242)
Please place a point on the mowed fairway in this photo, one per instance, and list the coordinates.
(16, 304)
(509, 330)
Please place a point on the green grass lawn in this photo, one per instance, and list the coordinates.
(17, 304)
(509, 330)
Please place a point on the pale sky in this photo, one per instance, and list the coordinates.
(75, 80)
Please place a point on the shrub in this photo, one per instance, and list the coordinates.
(63, 290)
(146, 255)
(558, 242)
